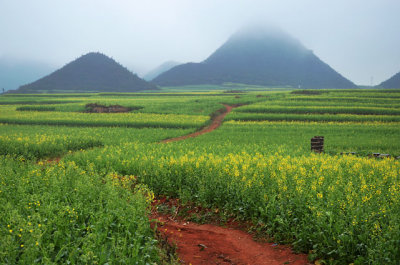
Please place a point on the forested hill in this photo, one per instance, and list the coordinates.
(393, 82)
(258, 56)
(93, 72)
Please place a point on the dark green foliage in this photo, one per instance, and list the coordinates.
(36, 108)
(36, 102)
(306, 92)
(259, 57)
(93, 72)
(62, 214)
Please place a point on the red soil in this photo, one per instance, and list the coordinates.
(209, 244)
(215, 123)
(54, 160)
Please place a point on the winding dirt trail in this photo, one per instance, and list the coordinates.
(215, 123)
(209, 244)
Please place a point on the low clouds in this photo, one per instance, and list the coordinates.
(360, 39)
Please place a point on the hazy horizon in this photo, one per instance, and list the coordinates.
(359, 39)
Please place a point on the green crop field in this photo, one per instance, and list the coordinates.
(92, 206)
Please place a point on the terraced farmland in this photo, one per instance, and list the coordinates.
(92, 205)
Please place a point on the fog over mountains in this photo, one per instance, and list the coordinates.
(255, 55)
(258, 56)
(15, 72)
(159, 70)
(359, 39)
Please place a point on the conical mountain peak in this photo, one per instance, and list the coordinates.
(259, 56)
(92, 72)
(262, 34)
(258, 43)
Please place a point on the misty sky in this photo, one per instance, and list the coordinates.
(359, 38)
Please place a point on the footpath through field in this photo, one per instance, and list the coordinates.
(210, 244)
(216, 121)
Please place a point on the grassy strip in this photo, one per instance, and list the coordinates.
(49, 95)
(38, 134)
(98, 124)
(358, 99)
(310, 117)
(167, 94)
(134, 120)
(38, 102)
(318, 110)
(43, 146)
(347, 91)
(316, 103)
(36, 108)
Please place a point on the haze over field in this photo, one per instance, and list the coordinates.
(358, 38)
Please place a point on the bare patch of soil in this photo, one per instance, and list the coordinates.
(211, 244)
(54, 160)
(98, 108)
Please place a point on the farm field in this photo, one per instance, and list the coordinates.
(92, 204)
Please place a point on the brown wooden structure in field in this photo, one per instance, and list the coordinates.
(317, 144)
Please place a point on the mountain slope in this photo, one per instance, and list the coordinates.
(159, 70)
(393, 82)
(258, 56)
(93, 72)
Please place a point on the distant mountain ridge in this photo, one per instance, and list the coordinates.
(15, 72)
(160, 69)
(258, 56)
(92, 72)
(392, 82)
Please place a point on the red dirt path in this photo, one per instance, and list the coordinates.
(215, 123)
(209, 244)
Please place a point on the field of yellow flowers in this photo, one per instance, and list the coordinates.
(341, 209)
(344, 208)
